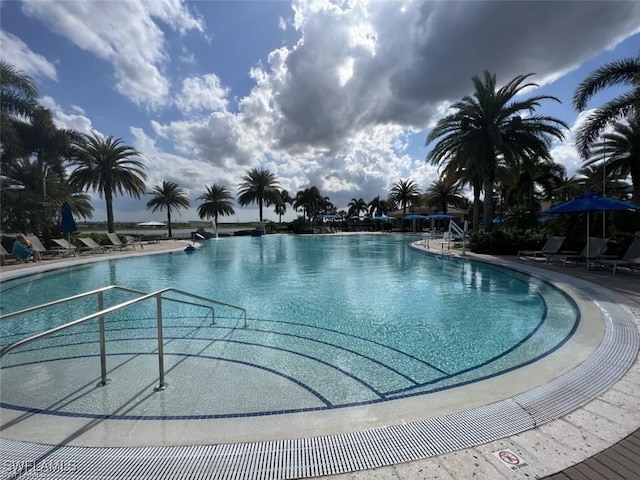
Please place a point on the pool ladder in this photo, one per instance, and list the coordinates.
(100, 314)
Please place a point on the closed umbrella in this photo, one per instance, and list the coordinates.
(591, 202)
(67, 223)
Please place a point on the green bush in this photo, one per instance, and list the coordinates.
(505, 242)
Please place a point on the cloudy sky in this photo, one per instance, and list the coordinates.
(336, 94)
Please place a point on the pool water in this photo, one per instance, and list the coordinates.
(334, 321)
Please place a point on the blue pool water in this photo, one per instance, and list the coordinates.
(333, 321)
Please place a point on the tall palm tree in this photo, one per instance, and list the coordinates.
(356, 205)
(493, 126)
(259, 186)
(444, 192)
(309, 200)
(217, 202)
(625, 72)
(170, 196)
(404, 193)
(620, 150)
(378, 207)
(109, 167)
(281, 205)
(18, 101)
(51, 148)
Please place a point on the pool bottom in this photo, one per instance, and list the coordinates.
(129, 400)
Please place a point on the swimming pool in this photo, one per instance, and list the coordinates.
(335, 321)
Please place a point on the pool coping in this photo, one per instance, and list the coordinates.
(385, 446)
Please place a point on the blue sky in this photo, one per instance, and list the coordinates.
(340, 95)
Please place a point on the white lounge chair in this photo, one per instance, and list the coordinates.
(552, 246)
(66, 248)
(631, 259)
(116, 243)
(41, 249)
(90, 245)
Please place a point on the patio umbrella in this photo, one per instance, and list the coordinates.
(152, 223)
(439, 216)
(413, 216)
(67, 223)
(591, 202)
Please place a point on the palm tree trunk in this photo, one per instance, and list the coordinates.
(169, 221)
(260, 205)
(487, 218)
(635, 179)
(108, 197)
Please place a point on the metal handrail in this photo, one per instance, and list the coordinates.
(104, 311)
(68, 299)
(204, 299)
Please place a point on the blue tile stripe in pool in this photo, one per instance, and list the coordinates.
(301, 458)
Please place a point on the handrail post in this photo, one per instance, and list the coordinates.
(103, 347)
(162, 385)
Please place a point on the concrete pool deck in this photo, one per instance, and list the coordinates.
(547, 448)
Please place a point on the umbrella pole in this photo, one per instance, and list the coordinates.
(588, 241)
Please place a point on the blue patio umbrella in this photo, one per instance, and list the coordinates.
(439, 216)
(591, 202)
(67, 223)
(413, 216)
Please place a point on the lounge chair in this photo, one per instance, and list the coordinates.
(552, 246)
(66, 248)
(594, 248)
(40, 248)
(4, 256)
(116, 243)
(631, 259)
(91, 246)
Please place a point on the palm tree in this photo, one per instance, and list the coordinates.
(217, 202)
(404, 193)
(18, 99)
(491, 127)
(309, 200)
(170, 196)
(444, 192)
(356, 205)
(621, 152)
(258, 186)
(281, 205)
(621, 72)
(378, 207)
(109, 167)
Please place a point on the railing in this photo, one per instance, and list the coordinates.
(100, 314)
(445, 239)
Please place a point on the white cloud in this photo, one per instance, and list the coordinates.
(18, 54)
(75, 119)
(205, 92)
(124, 34)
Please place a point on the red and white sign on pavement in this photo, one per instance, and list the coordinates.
(511, 459)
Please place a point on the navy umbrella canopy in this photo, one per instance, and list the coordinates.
(67, 223)
(591, 202)
(439, 216)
